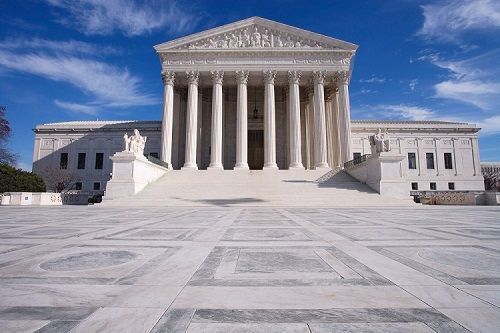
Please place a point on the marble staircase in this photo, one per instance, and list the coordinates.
(284, 188)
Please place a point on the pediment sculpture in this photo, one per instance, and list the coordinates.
(254, 36)
(135, 143)
(380, 142)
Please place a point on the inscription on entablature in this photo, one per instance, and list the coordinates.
(465, 142)
(410, 142)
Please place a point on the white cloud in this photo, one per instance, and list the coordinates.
(57, 46)
(108, 85)
(373, 79)
(447, 21)
(484, 95)
(413, 84)
(367, 91)
(409, 112)
(77, 108)
(474, 80)
(490, 125)
(98, 17)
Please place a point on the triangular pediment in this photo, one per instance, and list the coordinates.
(255, 33)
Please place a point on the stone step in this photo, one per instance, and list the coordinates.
(300, 188)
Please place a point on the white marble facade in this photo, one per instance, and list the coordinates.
(257, 94)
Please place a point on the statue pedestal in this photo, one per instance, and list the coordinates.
(131, 173)
(383, 172)
(385, 175)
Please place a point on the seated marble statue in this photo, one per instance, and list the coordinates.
(135, 143)
(380, 142)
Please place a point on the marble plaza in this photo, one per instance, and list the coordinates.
(223, 268)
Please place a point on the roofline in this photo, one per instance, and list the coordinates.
(252, 20)
(410, 122)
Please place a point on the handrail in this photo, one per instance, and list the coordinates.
(356, 161)
(157, 161)
(491, 174)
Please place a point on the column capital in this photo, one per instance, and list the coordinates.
(319, 77)
(341, 77)
(269, 76)
(294, 77)
(242, 77)
(217, 76)
(193, 77)
(168, 77)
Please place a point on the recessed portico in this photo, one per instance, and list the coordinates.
(285, 88)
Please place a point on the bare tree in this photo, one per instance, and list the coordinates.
(58, 180)
(6, 156)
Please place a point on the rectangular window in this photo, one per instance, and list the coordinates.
(414, 186)
(78, 186)
(433, 186)
(155, 155)
(356, 156)
(81, 160)
(448, 161)
(412, 161)
(429, 157)
(451, 186)
(63, 161)
(99, 159)
(97, 186)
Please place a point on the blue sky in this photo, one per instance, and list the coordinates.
(66, 60)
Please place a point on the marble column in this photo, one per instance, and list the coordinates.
(269, 121)
(241, 121)
(294, 121)
(216, 142)
(319, 120)
(309, 113)
(168, 117)
(335, 129)
(329, 126)
(191, 120)
(342, 80)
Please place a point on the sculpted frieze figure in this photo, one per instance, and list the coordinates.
(266, 41)
(256, 38)
(253, 37)
(135, 143)
(380, 142)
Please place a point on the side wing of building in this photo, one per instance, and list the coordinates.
(81, 150)
(440, 155)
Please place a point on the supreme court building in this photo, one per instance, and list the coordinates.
(257, 94)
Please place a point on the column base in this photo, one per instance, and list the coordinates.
(215, 167)
(296, 166)
(190, 167)
(241, 166)
(270, 166)
(323, 165)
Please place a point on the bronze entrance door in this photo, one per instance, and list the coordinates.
(256, 149)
